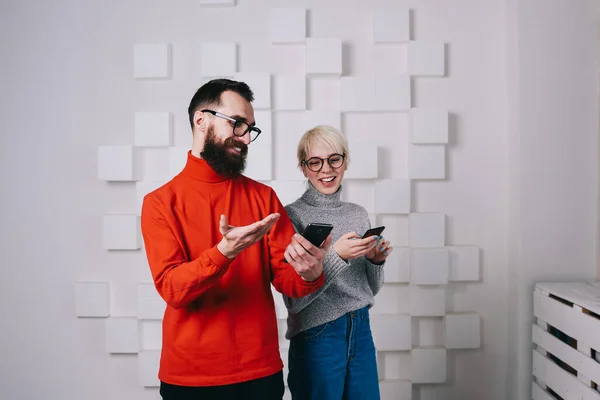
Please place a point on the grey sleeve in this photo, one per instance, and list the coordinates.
(375, 275)
(333, 265)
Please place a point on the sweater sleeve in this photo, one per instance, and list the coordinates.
(375, 275)
(284, 277)
(178, 281)
(333, 265)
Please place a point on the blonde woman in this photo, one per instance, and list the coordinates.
(332, 354)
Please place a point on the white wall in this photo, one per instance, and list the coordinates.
(68, 88)
(553, 154)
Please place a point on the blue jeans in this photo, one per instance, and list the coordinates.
(335, 361)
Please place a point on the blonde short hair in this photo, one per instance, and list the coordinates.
(323, 135)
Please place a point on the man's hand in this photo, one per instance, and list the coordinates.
(237, 238)
(352, 246)
(306, 258)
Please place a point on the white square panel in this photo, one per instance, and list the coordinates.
(151, 334)
(149, 303)
(122, 335)
(323, 93)
(218, 59)
(148, 365)
(391, 25)
(152, 61)
(392, 299)
(462, 331)
(363, 161)
(92, 299)
(260, 84)
(357, 94)
(427, 229)
(178, 157)
(286, 138)
(395, 390)
(397, 265)
(259, 164)
(324, 56)
(429, 266)
(427, 161)
(396, 228)
(464, 263)
(427, 331)
(427, 301)
(428, 125)
(391, 332)
(117, 163)
(392, 196)
(288, 191)
(121, 232)
(426, 58)
(428, 365)
(264, 121)
(359, 192)
(394, 365)
(152, 129)
(289, 92)
(142, 189)
(314, 118)
(287, 25)
(392, 93)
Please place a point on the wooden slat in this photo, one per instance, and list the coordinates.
(537, 393)
(584, 294)
(563, 383)
(583, 364)
(573, 322)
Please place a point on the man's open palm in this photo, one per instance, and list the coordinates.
(238, 238)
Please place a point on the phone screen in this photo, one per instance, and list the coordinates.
(373, 231)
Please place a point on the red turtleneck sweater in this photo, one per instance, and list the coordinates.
(219, 326)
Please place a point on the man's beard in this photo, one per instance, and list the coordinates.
(218, 156)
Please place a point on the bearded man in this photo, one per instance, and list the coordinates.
(215, 241)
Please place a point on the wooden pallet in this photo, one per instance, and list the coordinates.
(566, 335)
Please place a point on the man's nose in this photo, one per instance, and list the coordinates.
(245, 139)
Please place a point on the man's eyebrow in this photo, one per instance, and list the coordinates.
(240, 118)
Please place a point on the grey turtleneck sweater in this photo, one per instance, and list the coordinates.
(348, 285)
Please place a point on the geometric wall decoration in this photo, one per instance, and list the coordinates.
(427, 229)
(122, 335)
(289, 92)
(428, 365)
(363, 161)
(324, 56)
(148, 365)
(464, 263)
(313, 118)
(142, 188)
(218, 59)
(92, 299)
(216, 2)
(152, 129)
(397, 268)
(462, 331)
(121, 232)
(428, 126)
(177, 159)
(117, 163)
(427, 161)
(427, 301)
(152, 61)
(357, 94)
(391, 25)
(393, 93)
(426, 58)
(287, 25)
(392, 196)
(150, 306)
(260, 82)
(391, 332)
(429, 266)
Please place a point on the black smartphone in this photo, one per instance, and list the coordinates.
(316, 233)
(373, 231)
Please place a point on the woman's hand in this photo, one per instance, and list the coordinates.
(352, 246)
(380, 252)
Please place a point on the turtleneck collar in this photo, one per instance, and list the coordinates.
(198, 168)
(315, 198)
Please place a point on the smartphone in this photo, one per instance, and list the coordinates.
(316, 233)
(373, 231)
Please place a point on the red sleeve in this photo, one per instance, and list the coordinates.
(283, 276)
(179, 282)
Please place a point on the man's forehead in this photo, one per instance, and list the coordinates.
(236, 106)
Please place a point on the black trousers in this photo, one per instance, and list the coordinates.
(267, 388)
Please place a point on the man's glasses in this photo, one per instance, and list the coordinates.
(316, 163)
(240, 128)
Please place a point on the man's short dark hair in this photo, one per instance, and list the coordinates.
(209, 95)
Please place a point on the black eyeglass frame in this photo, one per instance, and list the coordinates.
(322, 160)
(235, 124)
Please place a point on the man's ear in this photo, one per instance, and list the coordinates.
(200, 121)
